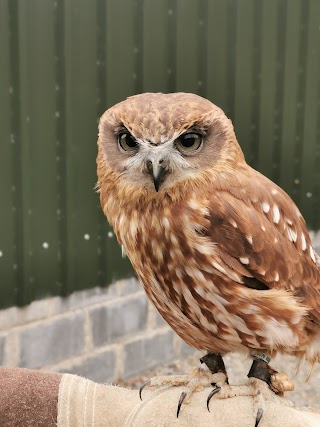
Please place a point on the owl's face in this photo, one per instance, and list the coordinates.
(155, 140)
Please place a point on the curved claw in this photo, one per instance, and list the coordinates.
(182, 397)
(212, 393)
(143, 386)
(258, 417)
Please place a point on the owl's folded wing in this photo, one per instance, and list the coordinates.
(262, 237)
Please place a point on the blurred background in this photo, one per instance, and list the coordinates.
(62, 64)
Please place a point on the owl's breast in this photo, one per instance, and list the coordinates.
(173, 262)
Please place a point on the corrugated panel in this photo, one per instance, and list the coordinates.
(64, 62)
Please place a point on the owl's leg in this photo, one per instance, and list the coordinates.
(210, 372)
(278, 382)
(213, 365)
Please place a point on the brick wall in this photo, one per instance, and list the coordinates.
(102, 334)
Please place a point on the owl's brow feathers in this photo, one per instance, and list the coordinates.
(156, 116)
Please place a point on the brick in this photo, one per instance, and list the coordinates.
(118, 319)
(98, 367)
(159, 349)
(2, 350)
(99, 325)
(128, 317)
(84, 298)
(146, 353)
(159, 321)
(52, 341)
(130, 286)
(15, 316)
(186, 350)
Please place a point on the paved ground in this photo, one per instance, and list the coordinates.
(305, 393)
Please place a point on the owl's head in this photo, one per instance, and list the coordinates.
(156, 140)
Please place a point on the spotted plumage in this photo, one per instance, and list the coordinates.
(222, 252)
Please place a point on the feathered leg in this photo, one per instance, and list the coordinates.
(278, 382)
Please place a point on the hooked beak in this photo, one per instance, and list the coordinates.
(156, 169)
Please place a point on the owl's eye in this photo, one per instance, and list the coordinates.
(127, 142)
(189, 142)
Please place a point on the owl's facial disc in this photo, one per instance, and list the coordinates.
(159, 160)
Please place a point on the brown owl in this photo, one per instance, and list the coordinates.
(222, 252)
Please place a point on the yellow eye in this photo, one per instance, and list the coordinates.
(127, 142)
(189, 142)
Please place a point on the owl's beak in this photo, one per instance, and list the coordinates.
(156, 169)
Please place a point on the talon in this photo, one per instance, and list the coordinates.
(258, 417)
(182, 397)
(143, 386)
(212, 393)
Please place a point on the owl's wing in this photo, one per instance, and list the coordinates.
(261, 236)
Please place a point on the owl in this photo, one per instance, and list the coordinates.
(222, 252)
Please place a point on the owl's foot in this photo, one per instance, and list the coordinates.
(211, 372)
(258, 390)
(277, 381)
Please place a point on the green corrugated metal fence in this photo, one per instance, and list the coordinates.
(62, 63)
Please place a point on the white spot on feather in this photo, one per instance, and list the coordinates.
(250, 240)
(244, 260)
(193, 204)
(233, 223)
(219, 268)
(276, 214)
(276, 277)
(263, 228)
(204, 249)
(265, 207)
(292, 235)
(274, 191)
(303, 242)
(166, 223)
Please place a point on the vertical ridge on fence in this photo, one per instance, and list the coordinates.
(60, 135)
(309, 109)
(11, 253)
